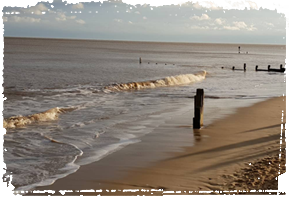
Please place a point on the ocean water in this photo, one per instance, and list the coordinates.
(73, 102)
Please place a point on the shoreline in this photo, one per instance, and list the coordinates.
(184, 169)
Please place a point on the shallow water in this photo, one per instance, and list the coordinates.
(100, 111)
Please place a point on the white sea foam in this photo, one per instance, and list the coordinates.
(182, 79)
(49, 115)
(67, 170)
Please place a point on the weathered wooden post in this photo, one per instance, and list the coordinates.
(199, 109)
(256, 68)
(269, 67)
(281, 67)
(239, 49)
(140, 60)
(244, 67)
(233, 68)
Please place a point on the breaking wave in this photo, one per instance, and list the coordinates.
(49, 115)
(53, 114)
(167, 81)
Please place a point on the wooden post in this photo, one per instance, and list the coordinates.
(239, 49)
(140, 60)
(233, 68)
(244, 67)
(256, 69)
(281, 67)
(199, 109)
(269, 67)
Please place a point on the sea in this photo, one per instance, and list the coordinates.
(68, 103)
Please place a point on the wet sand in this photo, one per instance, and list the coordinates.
(231, 154)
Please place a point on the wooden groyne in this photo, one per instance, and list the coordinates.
(269, 69)
(244, 68)
(199, 109)
(164, 63)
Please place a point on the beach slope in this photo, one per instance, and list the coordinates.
(239, 152)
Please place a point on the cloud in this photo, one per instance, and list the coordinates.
(14, 12)
(5, 19)
(208, 5)
(195, 27)
(118, 20)
(269, 24)
(220, 21)
(244, 4)
(182, 3)
(80, 21)
(70, 17)
(251, 28)
(145, 18)
(201, 18)
(112, 1)
(62, 17)
(205, 5)
(18, 19)
(130, 22)
(231, 28)
(137, 12)
(235, 5)
(253, 5)
(78, 6)
(240, 25)
(38, 9)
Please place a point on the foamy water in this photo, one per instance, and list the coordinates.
(167, 81)
(49, 115)
(70, 103)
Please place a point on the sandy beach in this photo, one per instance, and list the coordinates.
(239, 152)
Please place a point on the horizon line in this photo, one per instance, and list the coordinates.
(147, 41)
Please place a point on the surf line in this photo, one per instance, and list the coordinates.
(167, 81)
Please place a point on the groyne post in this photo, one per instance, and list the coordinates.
(281, 67)
(256, 69)
(199, 109)
(140, 60)
(244, 67)
(233, 68)
(269, 67)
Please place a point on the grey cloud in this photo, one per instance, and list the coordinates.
(39, 9)
(113, 1)
(77, 6)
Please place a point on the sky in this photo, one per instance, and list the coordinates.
(144, 20)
